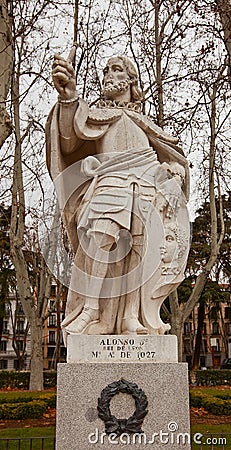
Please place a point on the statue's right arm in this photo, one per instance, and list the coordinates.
(63, 76)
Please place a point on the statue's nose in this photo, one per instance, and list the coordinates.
(108, 76)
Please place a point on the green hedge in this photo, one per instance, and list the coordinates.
(20, 380)
(210, 377)
(219, 404)
(27, 410)
(49, 398)
(25, 406)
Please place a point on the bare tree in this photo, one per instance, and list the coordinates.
(6, 64)
(33, 294)
(224, 10)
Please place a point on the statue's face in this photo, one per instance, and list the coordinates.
(116, 79)
(168, 250)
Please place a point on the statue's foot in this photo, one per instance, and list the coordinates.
(87, 317)
(133, 326)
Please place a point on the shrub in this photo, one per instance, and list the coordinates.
(26, 410)
(211, 377)
(15, 397)
(217, 405)
(195, 400)
(18, 406)
(14, 379)
(49, 399)
(212, 402)
(50, 379)
(20, 380)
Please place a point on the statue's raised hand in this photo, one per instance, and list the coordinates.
(63, 75)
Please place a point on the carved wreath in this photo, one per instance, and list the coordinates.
(133, 423)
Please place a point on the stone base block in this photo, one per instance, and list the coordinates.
(166, 425)
(119, 348)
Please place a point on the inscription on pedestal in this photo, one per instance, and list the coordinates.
(83, 348)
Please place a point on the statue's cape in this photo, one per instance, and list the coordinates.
(90, 124)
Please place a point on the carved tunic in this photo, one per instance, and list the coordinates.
(119, 156)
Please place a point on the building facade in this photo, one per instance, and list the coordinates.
(216, 335)
(15, 340)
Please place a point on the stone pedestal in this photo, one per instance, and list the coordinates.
(165, 385)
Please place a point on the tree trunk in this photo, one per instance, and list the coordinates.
(160, 115)
(6, 64)
(224, 9)
(176, 324)
(200, 322)
(176, 319)
(33, 311)
(36, 368)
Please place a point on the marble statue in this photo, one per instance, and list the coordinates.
(123, 184)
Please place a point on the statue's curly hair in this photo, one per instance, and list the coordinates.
(181, 237)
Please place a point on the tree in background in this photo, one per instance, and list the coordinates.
(25, 19)
(6, 64)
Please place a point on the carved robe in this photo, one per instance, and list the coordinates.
(120, 186)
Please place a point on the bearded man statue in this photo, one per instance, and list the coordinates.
(123, 184)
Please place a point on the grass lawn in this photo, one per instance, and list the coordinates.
(216, 432)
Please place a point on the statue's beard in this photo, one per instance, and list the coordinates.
(112, 89)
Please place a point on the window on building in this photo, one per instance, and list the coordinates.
(20, 345)
(213, 313)
(50, 352)
(20, 311)
(51, 337)
(51, 364)
(52, 320)
(3, 364)
(217, 348)
(202, 361)
(228, 329)
(228, 312)
(187, 346)
(187, 327)
(189, 360)
(3, 346)
(5, 329)
(52, 304)
(16, 364)
(7, 309)
(53, 290)
(20, 326)
(215, 328)
(204, 346)
(63, 352)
